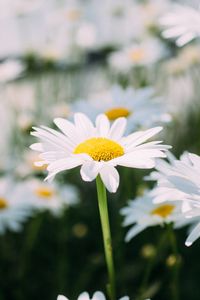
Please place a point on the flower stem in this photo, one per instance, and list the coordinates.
(103, 210)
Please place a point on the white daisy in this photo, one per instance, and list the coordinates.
(186, 179)
(183, 183)
(85, 296)
(145, 53)
(44, 196)
(13, 210)
(182, 24)
(141, 107)
(97, 149)
(143, 213)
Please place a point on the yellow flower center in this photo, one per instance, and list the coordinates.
(117, 112)
(3, 203)
(44, 192)
(137, 55)
(100, 149)
(163, 211)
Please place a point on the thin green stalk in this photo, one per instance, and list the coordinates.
(103, 210)
(151, 264)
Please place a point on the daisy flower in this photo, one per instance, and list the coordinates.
(183, 182)
(141, 54)
(182, 24)
(141, 107)
(45, 196)
(143, 213)
(96, 296)
(13, 210)
(98, 148)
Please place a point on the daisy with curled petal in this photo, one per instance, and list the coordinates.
(185, 179)
(141, 107)
(165, 191)
(13, 210)
(143, 213)
(44, 196)
(97, 149)
(182, 24)
(85, 296)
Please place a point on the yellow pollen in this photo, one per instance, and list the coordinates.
(117, 112)
(137, 55)
(44, 192)
(163, 211)
(100, 149)
(3, 203)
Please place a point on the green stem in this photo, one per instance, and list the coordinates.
(103, 210)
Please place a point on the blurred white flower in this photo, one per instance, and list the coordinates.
(182, 24)
(44, 196)
(141, 107)
(13, 209)
(143, 213)
(97, 149)
(96, 296)
(10, 70)
(145, 53)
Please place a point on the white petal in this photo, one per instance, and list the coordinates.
(194, 235)
(90, 170)
(83, 125)
(110, 178)
(84, 296)
(60, 297)
(134, 161)
(117, 129)
(138, 138)
(98, 296)
(103, 125)
(37, 147)
(134, 231)
(66, 127)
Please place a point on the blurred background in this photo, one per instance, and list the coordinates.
(57, 57)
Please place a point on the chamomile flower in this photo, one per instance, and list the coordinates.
(96, 296)
(44, 196)
(182, 24)
(145, 53)
(141, 107)
(184, 181)
(98, 148)
(13, 210)
(143, 213)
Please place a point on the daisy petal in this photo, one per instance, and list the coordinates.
(103, 125)
(60, 297)
(89, 171)
(110, 178)
(194, 235)
(117, 129)
(84, 296)
(134, 231)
